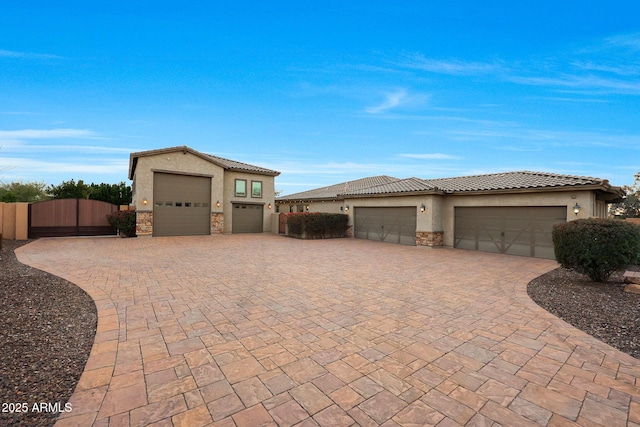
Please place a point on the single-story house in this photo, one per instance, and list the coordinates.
(179, 191)
(512, 212)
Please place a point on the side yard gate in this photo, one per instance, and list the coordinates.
(70, 217)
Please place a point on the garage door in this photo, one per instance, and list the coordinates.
(246, 218)
(393, 225)
(181, 205)
(508, 230)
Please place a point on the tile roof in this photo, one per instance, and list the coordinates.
(409, 185)
(511, 181)
(333, 191)
(386, 185)
(239, 166)
(227, 164)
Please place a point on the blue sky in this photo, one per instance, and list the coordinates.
(322, 91)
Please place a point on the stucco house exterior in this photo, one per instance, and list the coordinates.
(179, 191)
(512, 212)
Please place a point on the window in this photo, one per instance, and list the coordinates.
(241, 188)
(256, 188)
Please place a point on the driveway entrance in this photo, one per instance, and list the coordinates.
(257, 329)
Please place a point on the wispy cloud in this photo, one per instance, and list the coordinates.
(451, 66)
(46, 134)
(392, 100)
(20, 165)
(27, 55)
(429, 156)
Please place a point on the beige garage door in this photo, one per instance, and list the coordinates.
(393, 225)
(508, 230)
(247, 218)
(181, 205)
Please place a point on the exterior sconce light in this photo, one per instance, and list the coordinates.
(576, 209)
(422, 207)
(145, 201)
(306, 207)
(346, 208)
(269, 206)
(218, 204)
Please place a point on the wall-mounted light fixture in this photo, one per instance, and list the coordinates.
(576, 209)
(422, 207)
(218, 203)
(346, 208)
(269, 206)
(306, 207)
(145, 201)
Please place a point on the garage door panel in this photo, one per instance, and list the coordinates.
(247, 218)
(181, 205)
(392, 224)
(511, 230)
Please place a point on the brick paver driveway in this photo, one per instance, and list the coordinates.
(263, 330)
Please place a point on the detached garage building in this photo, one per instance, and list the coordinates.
(510, 213)
(179, 191)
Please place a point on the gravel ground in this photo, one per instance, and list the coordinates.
(47, 326)
(602, 310)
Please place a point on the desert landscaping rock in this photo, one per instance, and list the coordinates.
(603, 310)
(47, 327)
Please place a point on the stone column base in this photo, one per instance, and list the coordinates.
(429, 238)
(217, 223)
(144, 223)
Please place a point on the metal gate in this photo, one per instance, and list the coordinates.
(70, 217)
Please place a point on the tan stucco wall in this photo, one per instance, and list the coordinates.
(222, 184)
(14, 221)
(268, 197)
(440, 209)
(173, 162)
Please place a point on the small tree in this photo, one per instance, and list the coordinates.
(596, 247)
(630, 207)
(19, 191)
(69, 190)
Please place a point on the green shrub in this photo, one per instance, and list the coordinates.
(316, 225)
(596, 247)
(124, 222)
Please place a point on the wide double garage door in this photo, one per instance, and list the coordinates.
(392, 225)
(181, 205)
(508, 230)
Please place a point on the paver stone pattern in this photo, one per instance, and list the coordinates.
(241, 330)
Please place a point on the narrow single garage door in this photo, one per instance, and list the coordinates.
(393, 225)
(508, 230)
(181, 205)
(246, 218)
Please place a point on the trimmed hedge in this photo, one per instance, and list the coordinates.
(596, 247)
(317, 225)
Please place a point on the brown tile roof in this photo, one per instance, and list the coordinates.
(386, 185)
(220, 161)
(333, 191)
(511, 181)
(242, 167)
(409, 185)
